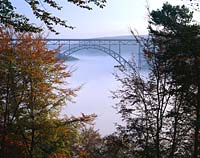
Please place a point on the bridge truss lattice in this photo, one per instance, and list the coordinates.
(70, 46)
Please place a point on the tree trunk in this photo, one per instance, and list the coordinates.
(158, 141)
(5, 117)
(197, 126)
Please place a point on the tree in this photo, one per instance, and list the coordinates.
(161, 110)
(88, 143)
(181, 40)
(9, 17)
(114, 145)
(143, 105)
(32, 92)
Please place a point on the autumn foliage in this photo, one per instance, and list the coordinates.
(33, 90)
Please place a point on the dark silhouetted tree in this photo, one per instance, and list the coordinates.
(161, 109)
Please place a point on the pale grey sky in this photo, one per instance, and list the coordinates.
(115, 19)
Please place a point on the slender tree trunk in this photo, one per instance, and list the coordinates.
(5, 117)
(4, 133)
(173, 147)
(158, 114)
(196, 137)
(157, 145)
(197, 126)
(158, 140)
(174, 138)
(2, 155)
(147, 139)
(32, 144)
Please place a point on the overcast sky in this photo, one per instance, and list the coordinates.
(115, 19)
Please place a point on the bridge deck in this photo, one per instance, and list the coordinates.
(90, 39)
(102, 44)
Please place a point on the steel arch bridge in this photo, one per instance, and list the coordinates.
(70, 46)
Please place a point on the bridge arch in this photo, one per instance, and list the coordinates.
(116, 56)
(104, 45)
